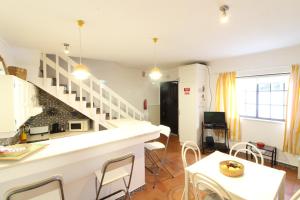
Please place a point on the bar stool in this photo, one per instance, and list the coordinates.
(152, 147)
(112, 171)
(37, 189)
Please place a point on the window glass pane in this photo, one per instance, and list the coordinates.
(285, 97)
(271, 93)
(264, 98)
(264, 87)
(250, 98)
(286, 85)
(242, 109)
(277, 112)
(276, 86)
(250, 85)
(250, 110)
(264, 111)
(277, 98)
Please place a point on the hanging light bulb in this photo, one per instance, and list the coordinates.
(66, 48)
(80, 71)
(155, 73)
(224, 16)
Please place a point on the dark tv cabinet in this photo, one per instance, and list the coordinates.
(223, 147)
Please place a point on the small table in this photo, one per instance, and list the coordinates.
(267, 150)
(258, 182)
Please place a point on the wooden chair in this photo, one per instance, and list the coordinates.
(189, 146)
(242, 147)
(212, 191)
(50, 188)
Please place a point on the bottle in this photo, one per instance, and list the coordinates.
(62, 129)
(23, 135)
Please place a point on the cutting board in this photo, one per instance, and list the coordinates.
(30, 148)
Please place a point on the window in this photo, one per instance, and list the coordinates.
(263, 97)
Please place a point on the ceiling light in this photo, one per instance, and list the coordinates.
(224, 16)
(155, 73)
(80, 71)
(66, 48)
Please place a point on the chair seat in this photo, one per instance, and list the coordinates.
(154, 145)
(112, 175)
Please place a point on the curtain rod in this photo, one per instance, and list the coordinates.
(286, 73)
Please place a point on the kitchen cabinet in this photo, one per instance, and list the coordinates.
(18, 102)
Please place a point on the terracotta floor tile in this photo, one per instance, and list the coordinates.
(171, 188)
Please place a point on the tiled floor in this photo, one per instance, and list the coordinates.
(171, 188)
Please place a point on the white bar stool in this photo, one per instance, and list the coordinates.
(41, 190)
(112, 171)
(152, 147)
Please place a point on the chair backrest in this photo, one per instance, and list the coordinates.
(165, 130)
(296, 196)
(205, 187)
(118, 163)
(190, 146)
(50, 188)
(242, 147)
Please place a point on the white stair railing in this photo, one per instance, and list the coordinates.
(99, 95)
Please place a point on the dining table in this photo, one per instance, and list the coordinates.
(258, 182)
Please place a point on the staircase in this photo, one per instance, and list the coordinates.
(90, 97)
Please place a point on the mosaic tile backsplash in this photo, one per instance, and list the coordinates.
(54, 111)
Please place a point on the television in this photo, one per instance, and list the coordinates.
(214, 118)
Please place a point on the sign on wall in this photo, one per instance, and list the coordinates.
(187, 91)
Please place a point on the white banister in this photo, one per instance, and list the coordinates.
(69, 79)
(91, 94)
(110, 106)
(107, 98)
(100, 97)
(80, 94)
(57, 74)
(44, 70)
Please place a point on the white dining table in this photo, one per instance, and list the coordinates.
(257, 183)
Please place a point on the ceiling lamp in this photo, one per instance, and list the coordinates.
(155, 73)
(66, 48)
(80, 70)
(224, 16)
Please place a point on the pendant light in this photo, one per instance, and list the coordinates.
(155, 73)
(224, 15)
(80, 71)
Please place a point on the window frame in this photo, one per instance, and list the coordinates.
(257, 98)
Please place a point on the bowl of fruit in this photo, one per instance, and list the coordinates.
(231, 168)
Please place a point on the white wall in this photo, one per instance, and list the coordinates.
(6, 52)
(127, 82)
(275, 61)
(21, 57)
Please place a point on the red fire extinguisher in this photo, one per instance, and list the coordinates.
(145, 104)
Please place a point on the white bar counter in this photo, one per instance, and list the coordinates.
(75, 158)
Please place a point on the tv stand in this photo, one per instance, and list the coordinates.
(224, 147)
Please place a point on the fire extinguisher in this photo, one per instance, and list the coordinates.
(145, 104)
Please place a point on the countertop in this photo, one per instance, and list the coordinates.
(47, 136)
(83, 141)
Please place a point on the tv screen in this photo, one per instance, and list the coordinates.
(214, 118)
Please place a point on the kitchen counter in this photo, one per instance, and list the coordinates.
(47, 136)
(77, 157)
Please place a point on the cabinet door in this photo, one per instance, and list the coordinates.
(20, 102)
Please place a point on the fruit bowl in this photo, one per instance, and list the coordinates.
(231, 168)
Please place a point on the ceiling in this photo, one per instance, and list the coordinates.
(121, 30)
